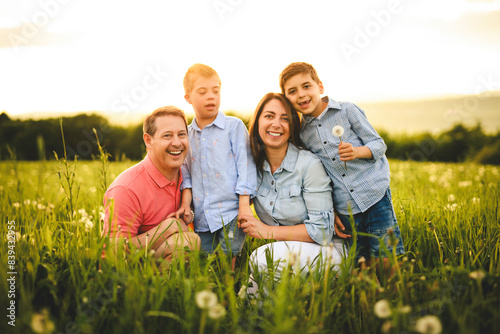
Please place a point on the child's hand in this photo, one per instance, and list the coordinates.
(183, 212)
(348, 152)
(244, 212)
(340, 227)
(253, 227)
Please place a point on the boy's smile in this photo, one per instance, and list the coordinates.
(305, 94)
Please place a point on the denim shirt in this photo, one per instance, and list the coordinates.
(298, 192)
(218, 168)
(365, 181)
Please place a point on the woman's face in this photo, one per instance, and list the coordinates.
(273, 125)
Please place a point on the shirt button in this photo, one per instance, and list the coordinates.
(204, 175)
(333, 159)
(352, 190)
(343, 175)
(202, 138)
(319, 125)
(324, 142)
(272, 203)
(272, 182)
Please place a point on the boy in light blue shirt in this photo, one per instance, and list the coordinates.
(355, 161)
(219, 171)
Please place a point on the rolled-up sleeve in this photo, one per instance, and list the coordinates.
(317, 193)
(246, 171)
(365, 131)
(186, 172)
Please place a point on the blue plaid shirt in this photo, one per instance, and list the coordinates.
(218, 168)
(365, 181)
(298, 192)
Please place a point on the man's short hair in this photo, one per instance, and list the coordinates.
(149, 125)
(194, 72)
(297, 68)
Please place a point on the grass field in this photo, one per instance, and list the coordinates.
(448, 279)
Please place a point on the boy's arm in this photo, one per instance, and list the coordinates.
(374, 146)
(244, 206)
(246, 184)
(184, 210)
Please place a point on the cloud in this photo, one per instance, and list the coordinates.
(28, 34)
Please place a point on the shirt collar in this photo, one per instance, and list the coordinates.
(158, 178)
(332, 104)
(219, 121)
(288, 162)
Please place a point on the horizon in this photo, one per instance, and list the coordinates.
(75, 58)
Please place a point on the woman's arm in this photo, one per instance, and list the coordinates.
(257, 229)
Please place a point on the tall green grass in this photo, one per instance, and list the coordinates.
(448, 215)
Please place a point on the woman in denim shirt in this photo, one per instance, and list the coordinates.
(294, 195)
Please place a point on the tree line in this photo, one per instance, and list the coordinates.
(39, 139)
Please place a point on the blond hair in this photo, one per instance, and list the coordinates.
(194, 72)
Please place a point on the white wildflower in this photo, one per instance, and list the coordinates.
(451, 207)
(88, 225)
(451, 198)
(465, 184)
(40, 322)
(477, 275)
(337, 131)
(206, 299)
(217, 311)
(382, 309)
(16, 205)
(433, 178)
(430, 324)
(476, 200)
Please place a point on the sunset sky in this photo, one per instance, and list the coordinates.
(129, 57)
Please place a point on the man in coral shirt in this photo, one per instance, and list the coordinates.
(141, 201)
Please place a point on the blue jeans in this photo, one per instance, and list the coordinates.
(234, 235)
(377, 220)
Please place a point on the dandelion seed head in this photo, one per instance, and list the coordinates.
(382, 309)
(216, 312)
(206, 299)
(430, 324)
(337, 131)
(477, 275)
(40, 322)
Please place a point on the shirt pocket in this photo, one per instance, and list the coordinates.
(291, 207)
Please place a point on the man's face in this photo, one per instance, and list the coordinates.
(305, 94)
(205, 99)
(168, 147)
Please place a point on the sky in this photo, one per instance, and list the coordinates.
(127, 58)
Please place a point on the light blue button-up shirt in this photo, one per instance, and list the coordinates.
(218, 168)
(298, 192)
(365, 181)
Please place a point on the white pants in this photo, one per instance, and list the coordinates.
(302, 256)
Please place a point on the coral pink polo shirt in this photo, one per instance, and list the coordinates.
(143, 197)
